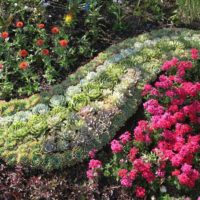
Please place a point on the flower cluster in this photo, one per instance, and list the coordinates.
(165, 146)
(29, 50)
(94, 165)
(93, 103)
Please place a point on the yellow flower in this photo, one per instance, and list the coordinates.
(68, 19)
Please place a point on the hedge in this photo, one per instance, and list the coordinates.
(59, 127)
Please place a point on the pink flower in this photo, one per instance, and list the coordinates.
(94, 164)
(194, 53)
(185, 180)
(160, 173)
(177, 160)
(182, 129)
(132, 154)
(124, 138)
(90, 174)
(126, 181)
(173, 108)
(140, 192)
(116, 146)
(186, 168)
(133, 174)
(147, 89)
(142, 131)
(179, 116)
(176, 172)
(122, 172)
(169, 64)
(164, 82)
(152, 106)
(92, 153)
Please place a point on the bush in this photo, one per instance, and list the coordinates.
(85, 111)
(163, 151)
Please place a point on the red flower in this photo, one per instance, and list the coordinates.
(122, 172)
(41, 26)
(4, 35)
(19, 24)
(194, 54)
(40, 42)
(140, 192)
(1, 66)
(55, 30)
(23, 65)
(45, 52)
(63, 43)
(23, 53)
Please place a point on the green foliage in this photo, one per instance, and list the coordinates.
(60, 127)
(189, 10)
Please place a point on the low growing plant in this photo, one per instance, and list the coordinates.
(163, 150)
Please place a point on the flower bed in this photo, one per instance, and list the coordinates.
(163, 150)
(58, 128)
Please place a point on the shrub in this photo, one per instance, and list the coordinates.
(85, 111)
(163, 150)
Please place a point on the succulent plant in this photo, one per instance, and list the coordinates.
(72, 90)
(22, 116)
(93, 90)
(78, 101)
(40, 109)
(57, 100)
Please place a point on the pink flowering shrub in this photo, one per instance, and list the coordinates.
(164, 148)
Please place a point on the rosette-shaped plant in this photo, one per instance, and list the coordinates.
(57, 100)
(40, 109)
(78, 101)
(93, 90)
(72, 90)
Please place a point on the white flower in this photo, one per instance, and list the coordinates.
(153, 198)
(15, 4)
(163, 189)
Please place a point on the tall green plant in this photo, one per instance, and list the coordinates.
(189, 9)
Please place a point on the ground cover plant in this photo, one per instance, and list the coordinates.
(60, 127)
(163, 149)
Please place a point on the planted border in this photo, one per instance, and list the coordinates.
(58, 128)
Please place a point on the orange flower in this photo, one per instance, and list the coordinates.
(19, 24)
(63, 43)
(23, 53)
(55, 30)
(45, 52)
(23, 65)
(41, 26)
(40, 42)
(4, 35)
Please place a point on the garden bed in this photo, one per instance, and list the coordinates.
(64, 124)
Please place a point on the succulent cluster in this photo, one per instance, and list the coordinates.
(58, 128)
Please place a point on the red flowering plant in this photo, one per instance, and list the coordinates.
(163, 151)
(32, 56)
